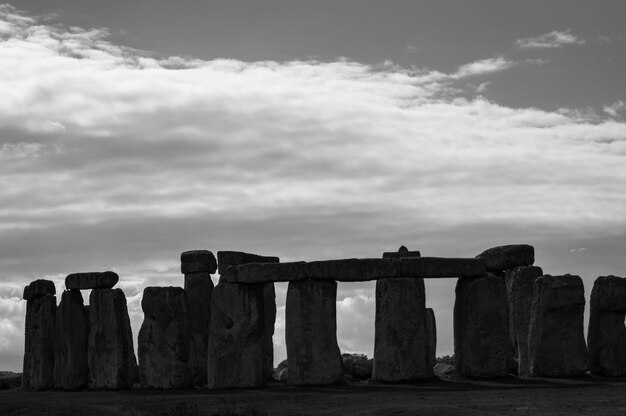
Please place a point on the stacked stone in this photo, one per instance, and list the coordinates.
(606, 337)
(197, 266)
(401, 342)
(38, 371)
(240, 348)
(556, 341)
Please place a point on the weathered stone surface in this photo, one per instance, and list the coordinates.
(481, 327)
(502, 258)
(268, 272)
(112, 362)
(164, 339)
(38, 289)
(431, 333)
(606, 337)
(353, 270)
(269, 319)
(71, 368)
(432, 267)
(311, 333)
(442, 370)
(226, 259)
(237, 336)
(520, 283)
(91, 280)
(197, 261)
(556, 342)
(401, 350)
(199, 289)
(38, 372)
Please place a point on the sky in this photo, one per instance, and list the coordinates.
(133, 131)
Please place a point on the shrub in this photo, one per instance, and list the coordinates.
(358, 366)
(446, 359)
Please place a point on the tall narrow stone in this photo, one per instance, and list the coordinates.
(164, 339)
(520, 283)
(112, 362)
(556, 341)
(38, 372)
(199, 289)
(431, 333)
(606, 337)
(313, 355)
(71, 368)
(481, 327)
(237, 336)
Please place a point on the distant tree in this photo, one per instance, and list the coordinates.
(281, 365)
(358, 366)
(446, 359)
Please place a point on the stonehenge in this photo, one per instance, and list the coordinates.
(71, 366)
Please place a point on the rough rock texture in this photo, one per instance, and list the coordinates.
(268, 272)
(353, 270)
(237, 336)
(197, 261)
(606, 337)
(520, 283)
(431, 333)
(402, 252)
(91, 280)
(38, 289)
(311, 333)
(429, 267)
(481, 327)
(502, 258)
(442, 370)
(269, 304)
(556, 342)
(38, 372)
(199, 289)
(164, 339)
(227, 259)
(112, 362)
(71, 368)
(401, 350)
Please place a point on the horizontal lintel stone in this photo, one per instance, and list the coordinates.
(400, 254)
(226, 259)
(433, 267)
(196, 261)
(354, 270)
(39, 288)
(91, 280)
(268, 272)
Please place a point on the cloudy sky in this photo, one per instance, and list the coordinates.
(133, 131)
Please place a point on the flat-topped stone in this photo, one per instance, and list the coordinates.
(609, 294)
(507, 257)
(401, 253)
(353, 270)
(39, 288)
(91, 280)
(197, 261)
(38, 372)
(433, 267)
(268, 272)
(226, 259)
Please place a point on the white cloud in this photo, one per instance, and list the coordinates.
(483, 66)
(412, 49)
(615, 109)
(554, 39)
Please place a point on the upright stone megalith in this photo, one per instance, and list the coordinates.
(112, 362)
(71, 368)
(401, 343)
(481, 327)
(556, 342)
(164, 339)
(520, 283)
(38, 371)
(237, 336)
(431, 334)
(313, 355)
(606, 337)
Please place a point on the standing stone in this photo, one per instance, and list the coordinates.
(501, 258)
(71, 368)
(112, 362)
(269, 304)
(199, 289)
(431, 333)
(481, 327)
(38, 372)
(237, 338)
(164, 339)
(520, 283)
(556, 342)
(313, 355)
(606, 337)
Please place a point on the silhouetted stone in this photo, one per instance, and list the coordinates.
(502, 258)
(198, 261)
(433, 267)
(199, 289)
(431, 332)
(269, 319)
(556, 342)
(164, 339)
(311, 333)
(402, 252)
(226, 259)
(606, 337)
(38, 372)
(237, 336)
(268, 272)
(481, 327)
(71, 368)
(38, 289)
(91, 280)
(520, 283)
(112, 362)
(353, 270)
